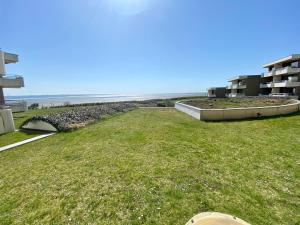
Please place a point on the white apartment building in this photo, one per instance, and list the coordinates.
(7, 81)
(282, 77)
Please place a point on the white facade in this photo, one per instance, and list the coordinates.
(282, 77)
(7, 81)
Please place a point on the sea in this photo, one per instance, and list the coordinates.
(57, 100)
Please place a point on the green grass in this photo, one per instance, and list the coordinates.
(19, 118)
(10, 138)
(155, 166)
(222, 103)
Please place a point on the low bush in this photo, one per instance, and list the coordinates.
(34, 106)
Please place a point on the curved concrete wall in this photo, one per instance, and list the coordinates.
(6, 121)
(190, 110)
(237, 113)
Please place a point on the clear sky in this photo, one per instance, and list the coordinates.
(143, 46)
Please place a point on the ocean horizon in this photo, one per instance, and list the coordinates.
(61, 99)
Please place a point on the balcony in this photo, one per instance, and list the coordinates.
(11, 82)
(282, 71)
(281, 95)
(10, 58)
(266, 85)
(286, 83)
(237, 86)
(211, 95)
(234, 95)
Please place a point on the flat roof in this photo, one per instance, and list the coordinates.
(284, 59)
(215, 88)
(242, 77)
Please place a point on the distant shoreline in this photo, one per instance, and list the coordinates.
(58, 100)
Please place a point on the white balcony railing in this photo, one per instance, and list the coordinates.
(211, 95)
(234, 95)
(266, 85)
(281, 71)
(293, 79)
(237, 86)
(11, 81)
(286, 83)
(268, 74)
(281, 94)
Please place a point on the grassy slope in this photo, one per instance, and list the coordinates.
(150, 167)
(19, 118)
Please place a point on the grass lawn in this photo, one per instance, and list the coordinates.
(222, 103)
(19, 118)
(155, 166)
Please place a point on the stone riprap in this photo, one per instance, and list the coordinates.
(79, 116)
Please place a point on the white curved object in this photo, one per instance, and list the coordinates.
(39, 125)
(237, 113)
(215, 218)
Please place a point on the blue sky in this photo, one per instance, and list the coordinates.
(143, 46)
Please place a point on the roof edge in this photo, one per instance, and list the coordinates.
(286, 58)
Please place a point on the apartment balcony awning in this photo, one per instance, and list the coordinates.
(286, 84)
(237, 86)
(242, 77)
(282, 71)
(10, 58)
(11, 82)
(287, 59)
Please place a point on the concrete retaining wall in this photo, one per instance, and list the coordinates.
(237, 113)
(190, 110)
(6, 121)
